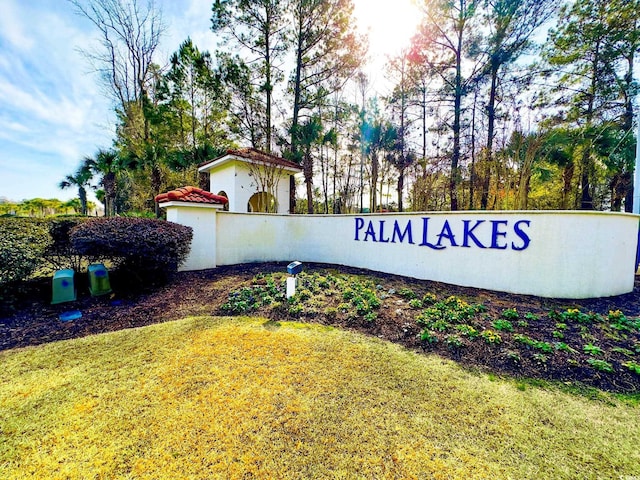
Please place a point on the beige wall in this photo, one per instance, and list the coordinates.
(202, 219)
(550, 254)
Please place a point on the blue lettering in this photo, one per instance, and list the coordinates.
(370, 232)
(359, 225)
(496, 233)
(400, 235)
(500, 234)
(382, 233)
(468, 234)
(425, 233)
(526, 240)
(448, 234)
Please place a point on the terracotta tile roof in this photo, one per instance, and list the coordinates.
(257, 156)
(191, 195)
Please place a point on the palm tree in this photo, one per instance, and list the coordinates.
(308, 135)
(79, 180)
(73, 204)
(379, 137)
(106, 163)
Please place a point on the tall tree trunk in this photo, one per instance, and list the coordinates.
(400, 188)
(567, 178)
(457, 108)
(472, 174)
(628, 127)
(109, 184)
(308, 179)
(156, 183)
(296, 93)
(82, 195)
(424, 131)
(491, 121)
(292, 194)
(586, 199)
(268, 83)
(374, 182)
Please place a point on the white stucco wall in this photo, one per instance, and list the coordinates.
(225, 180)
(550, 254)
(233, 177)
(202, 219)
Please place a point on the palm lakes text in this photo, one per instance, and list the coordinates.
(496, 234)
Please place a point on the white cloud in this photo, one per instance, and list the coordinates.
(52, 112)
(12, 27)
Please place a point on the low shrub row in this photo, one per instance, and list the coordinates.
(22, 245)
(148, 250)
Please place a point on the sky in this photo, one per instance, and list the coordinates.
(53, 109)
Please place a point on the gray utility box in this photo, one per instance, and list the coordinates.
(294, 268)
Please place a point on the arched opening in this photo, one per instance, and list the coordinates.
(222, 193)
(262, 202)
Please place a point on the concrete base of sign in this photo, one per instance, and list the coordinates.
(292, 282)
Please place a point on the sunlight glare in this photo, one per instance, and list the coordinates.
(389, 23)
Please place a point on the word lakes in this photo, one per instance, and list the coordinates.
(440, 234)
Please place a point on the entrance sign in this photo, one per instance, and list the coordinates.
(438, 235)
(572, 254)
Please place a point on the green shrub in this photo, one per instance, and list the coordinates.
(371, 316)
(452, 310)
(240, 301)
(60, 253)
(490, 336)
(415, 303)
(429, 299)
(563, 347)
(22, 244)
(453, 341)
(592, 349)
(536, 344)
(149, 250)
(503, 325)
(633, 367)
(407, 293)
(331, 312)
(600, 365)
(575, 315)
(427, 336)
(467, 330)
(621, 323)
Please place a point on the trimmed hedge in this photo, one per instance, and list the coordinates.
(60, 253)
(23, 242)
(148, 249)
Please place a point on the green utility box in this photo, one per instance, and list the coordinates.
(64, 289)
(98, 279)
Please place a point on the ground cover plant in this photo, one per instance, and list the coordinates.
(239, 397)
(601, 350)
(589, 342)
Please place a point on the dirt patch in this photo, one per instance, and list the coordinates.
(33, 320)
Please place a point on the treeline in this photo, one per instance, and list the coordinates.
(44, 207)
(483, 112)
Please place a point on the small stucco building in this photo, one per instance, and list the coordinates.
(252, 181)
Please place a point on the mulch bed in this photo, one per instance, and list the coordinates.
(32, 320)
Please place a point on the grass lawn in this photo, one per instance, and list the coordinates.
(246, 398)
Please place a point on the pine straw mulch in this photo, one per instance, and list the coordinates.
(32, 320)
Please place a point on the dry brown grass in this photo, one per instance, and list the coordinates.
(245, 398)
